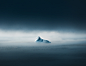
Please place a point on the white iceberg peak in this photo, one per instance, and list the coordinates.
(42, 40)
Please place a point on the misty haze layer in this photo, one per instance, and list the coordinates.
(21, 37)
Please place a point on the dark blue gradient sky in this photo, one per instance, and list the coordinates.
(49, 15)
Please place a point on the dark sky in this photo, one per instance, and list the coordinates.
(43, 14)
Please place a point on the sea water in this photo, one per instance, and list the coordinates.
(41, 54)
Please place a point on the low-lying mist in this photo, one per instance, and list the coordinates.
(29, 37)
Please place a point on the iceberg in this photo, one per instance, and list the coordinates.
(42, 40)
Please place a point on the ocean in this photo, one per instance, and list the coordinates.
(43, 55)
